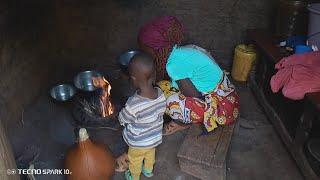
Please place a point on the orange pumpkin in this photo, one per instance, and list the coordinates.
(89, 160)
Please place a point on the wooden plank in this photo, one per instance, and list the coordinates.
(203, 172)
(200, 149)
(194, 169)
(297, 153)
(6, 158)
(265, 40)
(270, 113)
(205, 156)
(314, 98)
(223, 146)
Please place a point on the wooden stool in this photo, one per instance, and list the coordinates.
(205, 156)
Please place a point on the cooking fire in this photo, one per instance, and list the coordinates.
(106, 106)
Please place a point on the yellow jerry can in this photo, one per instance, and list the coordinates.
(244, 57)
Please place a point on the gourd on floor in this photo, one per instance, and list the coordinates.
(89, 160)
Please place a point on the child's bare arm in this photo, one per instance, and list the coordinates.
(187, 88)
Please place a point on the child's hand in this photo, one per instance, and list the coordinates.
(167, 88)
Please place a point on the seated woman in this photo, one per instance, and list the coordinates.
(205, 94)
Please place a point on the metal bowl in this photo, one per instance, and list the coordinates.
(125, 58)
(62, 92)
(83, 80)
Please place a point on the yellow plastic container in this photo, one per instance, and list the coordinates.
(244, 57)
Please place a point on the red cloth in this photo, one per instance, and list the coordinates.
(156, 33)
(196, 108)
(297, 75)
(228, 108)
(157, 37)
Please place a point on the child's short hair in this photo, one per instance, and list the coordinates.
(141, 63)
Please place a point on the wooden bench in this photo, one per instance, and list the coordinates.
(205, 156)
(293, 120)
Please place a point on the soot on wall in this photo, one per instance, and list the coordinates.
(25, 61)
(96, 31)
(40, 39)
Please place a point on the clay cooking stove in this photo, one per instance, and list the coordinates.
(96, 108)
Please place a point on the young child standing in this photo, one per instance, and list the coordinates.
(142, 118)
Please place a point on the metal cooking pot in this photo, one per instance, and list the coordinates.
(83, 80)
(62, 92)
(125, 58)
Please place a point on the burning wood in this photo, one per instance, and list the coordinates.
(105, 102)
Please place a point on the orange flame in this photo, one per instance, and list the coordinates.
(105, 103)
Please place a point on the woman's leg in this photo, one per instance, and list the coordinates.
(175, 111)
(222, 110)
(228, 109)
(173, 127)
(183, 111)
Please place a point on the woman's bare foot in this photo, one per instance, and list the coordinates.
(122, 163)
(173, 127)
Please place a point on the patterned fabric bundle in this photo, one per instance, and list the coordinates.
(158, 37)
(218, 107)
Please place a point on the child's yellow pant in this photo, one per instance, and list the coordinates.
(137, 157)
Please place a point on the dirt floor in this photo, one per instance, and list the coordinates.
(256, 152)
